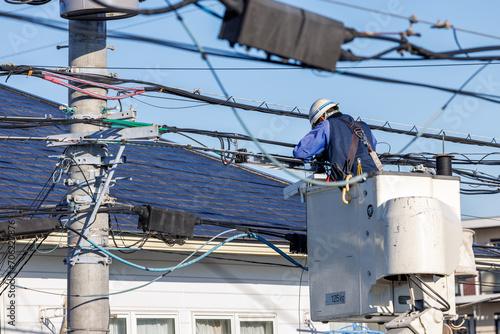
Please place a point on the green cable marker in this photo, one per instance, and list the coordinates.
(131, 124)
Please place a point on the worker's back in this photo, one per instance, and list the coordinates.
(340, 142)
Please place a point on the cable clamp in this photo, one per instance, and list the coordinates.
(87, 260)
(67, 110)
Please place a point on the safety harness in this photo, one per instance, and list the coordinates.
(357, 135)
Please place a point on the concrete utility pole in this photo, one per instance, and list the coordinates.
(88, 271)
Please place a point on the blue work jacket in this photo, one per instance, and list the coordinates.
(336, 136)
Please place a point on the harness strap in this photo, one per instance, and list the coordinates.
(357, 134)
(352, 152)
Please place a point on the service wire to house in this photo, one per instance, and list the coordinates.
(148, 283)
(277, 250)
(169, 269)
(185, 264)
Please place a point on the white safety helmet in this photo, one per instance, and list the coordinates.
(322, 107)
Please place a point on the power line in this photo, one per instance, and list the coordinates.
(486, 97)
(223, 53)
(264, 108)
(412, 19)
(443, 108)
(31, 50)
(163, 10)
(269, 68)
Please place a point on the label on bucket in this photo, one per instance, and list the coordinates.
(335, 298)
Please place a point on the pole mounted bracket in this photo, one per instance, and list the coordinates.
(113, 134)
(88, 260)
(80, 199)
(98, 161)
(129, 114)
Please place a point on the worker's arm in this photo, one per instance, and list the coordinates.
(313, 143)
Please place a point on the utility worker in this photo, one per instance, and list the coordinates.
(349, 145)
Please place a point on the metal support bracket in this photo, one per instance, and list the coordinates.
(98, 161)
(89, 260)
(82, 116)
(113, 134)
(80, 199)
(102, 192)
(93, 260)
(129, 114)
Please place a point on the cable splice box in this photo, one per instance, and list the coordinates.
(28, 228)
(171, 222)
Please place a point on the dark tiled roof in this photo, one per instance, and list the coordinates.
(169, 177)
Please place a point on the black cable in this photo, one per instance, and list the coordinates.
(83, 174)
(140, 242)
(447, 103)
(27, 2)
(178, 92)
(272, 68)
(456, 41)
(223, 53)
(417, 84)
(169, 108)
(427, 54)
(228, 102)
(217, 134)
(13, 271)
(257, 228)
(147, 11)
(443, 301)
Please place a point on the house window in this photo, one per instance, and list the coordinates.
(213, 326)
(256, 327)
(118, 326)
(235, 324)
(490, 282)
(155, 326)
(142, 323)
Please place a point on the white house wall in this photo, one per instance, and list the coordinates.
(220, 288)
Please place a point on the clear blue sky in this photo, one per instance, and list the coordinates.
(25, 43)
